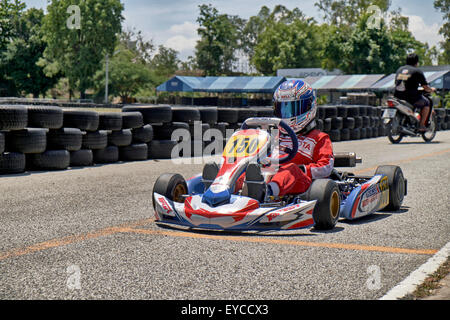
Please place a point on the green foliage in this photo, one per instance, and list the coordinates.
(294, 45)
(215, 51)
(444, 7)
(9, 11)
(127, 75)
(77, 53)
(23, 52)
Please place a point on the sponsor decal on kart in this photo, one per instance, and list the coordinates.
(164, 206)
(375, 197)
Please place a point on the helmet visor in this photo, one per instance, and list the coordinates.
(291, 109)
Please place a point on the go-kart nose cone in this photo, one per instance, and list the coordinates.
(216, 195)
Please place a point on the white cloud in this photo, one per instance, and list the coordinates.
(183, 38)
(424, 32)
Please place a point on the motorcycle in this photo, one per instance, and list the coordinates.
(403, 119)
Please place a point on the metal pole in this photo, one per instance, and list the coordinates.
(106, 81)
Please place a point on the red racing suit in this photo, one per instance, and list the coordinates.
(315, 156)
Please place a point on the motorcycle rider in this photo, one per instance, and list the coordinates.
(407, 81)
(295, 102)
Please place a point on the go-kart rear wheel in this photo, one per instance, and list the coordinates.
(396, 186)
(170, 185)
(326, 211)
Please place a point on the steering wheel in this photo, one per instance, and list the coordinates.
(265, 123)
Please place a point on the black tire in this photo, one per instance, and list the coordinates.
(321, 113)
(195, 128)
(358, 122)
(245, 113)
(222, 127)
(208, 115)
(165, 132)
(134, 152)
(144, 134)
(110, 121)
(264, 112)
(13, 117)
(170, 185)
(27, 140)
(161, 149)
(228, 115)
(366, 121)
(50, 160)
(327, 125)
(382, 131)
(152, 113)
(110, 154)
(81, 158)
(349, 123)
(120, 138)
(319, 124)
(342, 111)
(50, 117)
(185, 114)
(12, 162)
(335, 135)
(82, 119)
(345, 134)
(363, 133)
(330, 112)
(337, 123)
(397, 185)
(95, 140)
(362, 111)
(326, 210)
(132, 120)
(197, 147)
(355, 134)
(352, 111)
(65, 138)
(2, 142)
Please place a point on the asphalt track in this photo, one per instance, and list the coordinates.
(89, 234)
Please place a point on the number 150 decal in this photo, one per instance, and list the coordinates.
(241, 146)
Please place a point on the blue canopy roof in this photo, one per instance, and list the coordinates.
(437, 79)
(222, 84)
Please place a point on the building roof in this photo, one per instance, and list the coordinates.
(222, 84)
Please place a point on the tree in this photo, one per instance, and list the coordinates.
(77, 51)
(348, 12)
(290, 40)
(444, 7)
(215, 51)
(24, 51)
(9, 11)
(127, 75)
(165, 62)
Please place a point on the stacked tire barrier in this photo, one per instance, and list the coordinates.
(37, 137)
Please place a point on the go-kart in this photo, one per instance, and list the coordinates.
(210, 199)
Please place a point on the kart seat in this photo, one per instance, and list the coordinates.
(209, 174)
(254, 186)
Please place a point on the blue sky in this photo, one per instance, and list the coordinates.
(173, 23)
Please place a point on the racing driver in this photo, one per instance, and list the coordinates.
(296, 104)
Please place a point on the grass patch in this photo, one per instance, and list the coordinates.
(431, 283)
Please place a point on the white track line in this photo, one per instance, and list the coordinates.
(417, 277)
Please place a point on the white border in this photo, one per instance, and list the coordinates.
(417, 277)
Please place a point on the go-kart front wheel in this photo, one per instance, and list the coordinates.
(397, 186)
(170, 185)
(327, 209)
